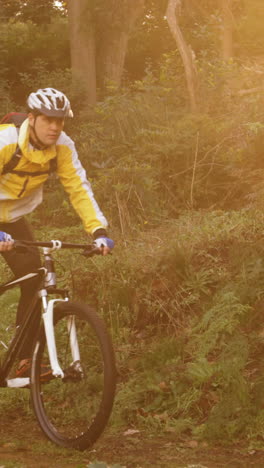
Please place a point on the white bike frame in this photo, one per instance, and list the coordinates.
(47, 315)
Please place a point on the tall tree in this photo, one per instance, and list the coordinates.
(82, 46)
(114, 28)
(99, 36)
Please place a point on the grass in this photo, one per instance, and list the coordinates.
(183, 304)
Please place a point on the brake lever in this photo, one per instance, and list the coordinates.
(21, 246)
(90, 250)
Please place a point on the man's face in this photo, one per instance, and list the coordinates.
(47, 129)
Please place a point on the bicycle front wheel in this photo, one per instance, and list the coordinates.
(73, 411)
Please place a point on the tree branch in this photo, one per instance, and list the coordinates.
(184, 50)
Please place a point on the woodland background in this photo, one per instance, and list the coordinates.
(168, 105)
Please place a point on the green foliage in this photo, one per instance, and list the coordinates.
(6, 102)
(149, 41)
(184, 304)
(183, 292)
(189, 349)
(141, 143)
(249, 34)
(185, 317)
(28, 10)
(26, 60)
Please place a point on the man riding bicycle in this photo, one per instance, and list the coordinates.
(40, 143)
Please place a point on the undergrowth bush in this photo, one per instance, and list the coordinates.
(207, 379)
(149, 159)
(184, 303)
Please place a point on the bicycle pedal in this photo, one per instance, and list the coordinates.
(18, 382)
(73, 373)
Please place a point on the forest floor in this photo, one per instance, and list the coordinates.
(22, 445)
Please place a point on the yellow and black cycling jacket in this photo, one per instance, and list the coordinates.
(20, 195)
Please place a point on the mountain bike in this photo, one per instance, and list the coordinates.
(74, 405)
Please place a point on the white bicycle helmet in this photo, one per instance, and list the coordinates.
(50, 102)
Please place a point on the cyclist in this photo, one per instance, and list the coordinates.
(39, 142)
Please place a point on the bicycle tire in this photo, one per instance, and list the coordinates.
(73, 413)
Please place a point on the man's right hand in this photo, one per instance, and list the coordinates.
(104, 244)
(6, 242)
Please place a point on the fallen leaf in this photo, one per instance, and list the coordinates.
(131, 432)
(192, 443)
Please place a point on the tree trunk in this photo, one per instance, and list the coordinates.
(82, 47)
(111, 58)
(114, 39)
(184, 50)
(228, 26)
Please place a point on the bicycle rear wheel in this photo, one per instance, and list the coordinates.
(73, 411)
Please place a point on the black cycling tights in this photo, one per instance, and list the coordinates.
(21, 264)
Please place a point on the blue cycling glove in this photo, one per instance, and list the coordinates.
(4, 237)
(105, 241)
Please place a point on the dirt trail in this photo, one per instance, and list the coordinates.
(24, 446)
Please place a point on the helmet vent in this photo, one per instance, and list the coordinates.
(50, 102)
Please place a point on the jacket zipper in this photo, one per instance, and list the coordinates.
(23, 188)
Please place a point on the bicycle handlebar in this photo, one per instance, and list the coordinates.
(89, 249)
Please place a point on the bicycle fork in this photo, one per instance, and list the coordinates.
(50, 336)
(48, 316)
